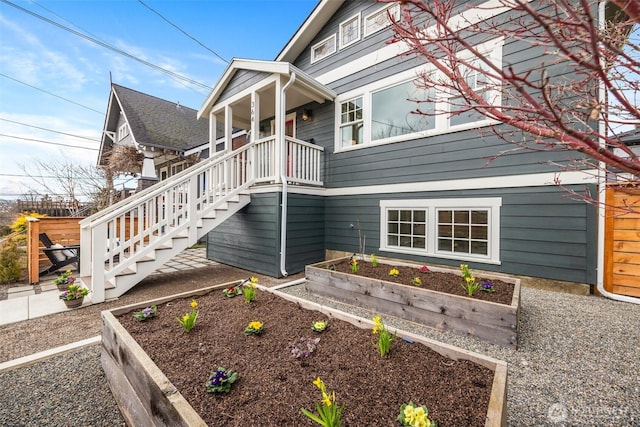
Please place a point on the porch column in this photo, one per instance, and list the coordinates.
(213, 129)
(148, 176)
(255, 131)
(228, 128)
(278, 129)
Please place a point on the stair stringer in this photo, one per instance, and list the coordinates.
(124, 282)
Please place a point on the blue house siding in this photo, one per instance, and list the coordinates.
(542, 233)
(241, 80)
(305, 231)
(250, 239)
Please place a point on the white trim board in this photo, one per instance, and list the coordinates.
(506, 181)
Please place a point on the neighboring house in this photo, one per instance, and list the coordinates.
(411, 188)
(168, 135)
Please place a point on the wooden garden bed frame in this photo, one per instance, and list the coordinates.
(488, 321)
(146, 397)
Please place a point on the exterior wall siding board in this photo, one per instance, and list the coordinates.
(241, 80)
(541, 247)
(250, 238)
(305, 231)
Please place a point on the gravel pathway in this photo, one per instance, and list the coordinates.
(576, 365)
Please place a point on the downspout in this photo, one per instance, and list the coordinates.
(602, 180)
(283, 178)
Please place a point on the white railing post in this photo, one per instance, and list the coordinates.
(192, 209)
(99, 240)
(85, 243)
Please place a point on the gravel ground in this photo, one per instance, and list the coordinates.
(576, 363)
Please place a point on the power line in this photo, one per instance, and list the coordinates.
(48, 142)
(51, 130)
(15, 175)
(182, 31)
(108, 46)
(49, 93)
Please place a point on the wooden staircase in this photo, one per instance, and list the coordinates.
(123, 244)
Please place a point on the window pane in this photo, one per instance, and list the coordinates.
(391, 111)
(419, 229)
(419, 216)
(445, 231)
(392, 228)
(480, 217)
(444, 245)
(405, 228)
(461, 246)
(392, 240)
(479, 233)
(445, 216)
(405, 215)
(419, 242)
(480, 248)
(461, 217)
(393, 215)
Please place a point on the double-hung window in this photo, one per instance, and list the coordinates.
(351, 122)
(123, 132)
(463, 229)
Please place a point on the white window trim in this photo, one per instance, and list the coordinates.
(342, 26)
(442, 122)
(492, 204)
(379, 11)
(313, 48)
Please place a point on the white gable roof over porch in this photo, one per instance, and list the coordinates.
(304, 84)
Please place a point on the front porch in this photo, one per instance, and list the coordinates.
(272, 102)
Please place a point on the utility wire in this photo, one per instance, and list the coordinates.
(110, 47)
(15, 175)
(182, 31)
(51, 130)
(48, 142)
(49, 93)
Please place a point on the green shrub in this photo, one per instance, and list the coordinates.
(11, 262)
(20, 224)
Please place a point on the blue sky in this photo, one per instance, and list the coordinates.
(37, 56)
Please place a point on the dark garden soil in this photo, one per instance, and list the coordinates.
(443, 282)
(273, 386)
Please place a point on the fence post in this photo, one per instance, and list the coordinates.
(33, 249)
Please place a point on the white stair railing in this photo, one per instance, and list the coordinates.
(115, 239)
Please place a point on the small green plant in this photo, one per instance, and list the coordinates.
(414, 416)
(254, 328)
(353, 262)
(11, 264)
(74, 292)
(374, 261)
(232, 291)
(64, 279)
(385, 338)
(303, 347)
(145, 313)
(416, 281)
(329, 413)
(188, 320)
(487, 287)
(220, 381)
(249, 290)
(320, 325)
(20, 224)
(394, 272)
(470, 283)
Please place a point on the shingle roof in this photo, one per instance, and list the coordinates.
(631, 137)
(155, 122)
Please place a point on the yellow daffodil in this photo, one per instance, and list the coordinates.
(185, 317)
(255, 325)
(326, 399)
(254, 279)
(394, 272)
(194, 304)
(318, 383)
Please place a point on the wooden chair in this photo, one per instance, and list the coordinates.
(60, 256)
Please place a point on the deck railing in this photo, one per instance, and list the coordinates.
(114, 239)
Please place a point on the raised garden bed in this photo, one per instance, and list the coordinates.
(478, 316)
(157, 372)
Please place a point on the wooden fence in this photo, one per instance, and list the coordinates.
(622, 241)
